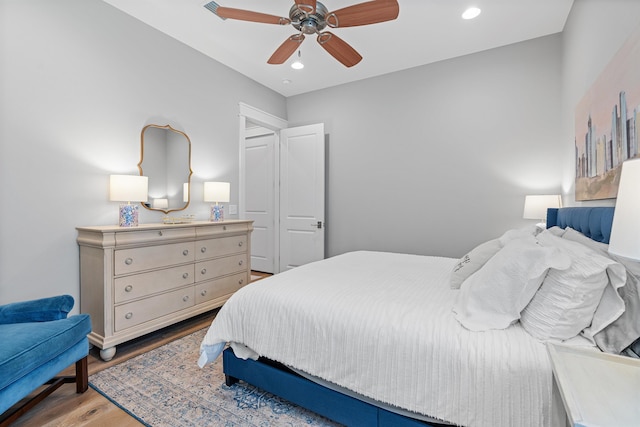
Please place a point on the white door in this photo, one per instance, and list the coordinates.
(301, 195)
(260, 197)
(292, 210)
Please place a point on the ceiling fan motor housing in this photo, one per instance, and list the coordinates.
(308, 23)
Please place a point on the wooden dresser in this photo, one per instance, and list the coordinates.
(137, 280)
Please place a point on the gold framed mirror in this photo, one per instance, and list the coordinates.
(165, 158)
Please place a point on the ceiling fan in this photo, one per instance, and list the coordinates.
(311, 17)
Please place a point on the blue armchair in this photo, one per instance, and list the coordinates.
(37, 341)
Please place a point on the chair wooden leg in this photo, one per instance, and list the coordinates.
(82, 384)
(82, 375)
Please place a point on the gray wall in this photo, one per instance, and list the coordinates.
(78, 81)
(436, 159)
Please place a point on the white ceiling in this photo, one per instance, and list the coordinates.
(426, 31)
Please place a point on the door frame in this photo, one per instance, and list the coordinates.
(268, 121)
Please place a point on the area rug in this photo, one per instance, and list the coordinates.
(165, 387)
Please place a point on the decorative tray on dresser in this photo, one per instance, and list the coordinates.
(137, 280)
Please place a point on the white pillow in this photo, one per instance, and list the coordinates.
(567, 301)
(494, 296)
(473, 261)
(576, 236)
(518, 233)
(478, 256)
(556, 231)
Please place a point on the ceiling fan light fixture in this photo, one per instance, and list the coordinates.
(297, 64)
(471, 13)
(312, 17)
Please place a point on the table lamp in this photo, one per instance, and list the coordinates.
(216, 192)
(625, 230)
(535, 207)
(128, 188)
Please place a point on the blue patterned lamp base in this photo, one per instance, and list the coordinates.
(217, 213)
(128, 215)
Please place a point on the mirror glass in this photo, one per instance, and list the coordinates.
(165, 158)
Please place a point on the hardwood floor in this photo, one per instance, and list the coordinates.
(67, 408)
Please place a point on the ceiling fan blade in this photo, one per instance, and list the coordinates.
(286, 49)
(366, 13)
(247, 15)
(307, 6)
(339, 49)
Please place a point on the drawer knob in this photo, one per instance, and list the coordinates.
(185, 275)
(203, 293)
(240, 244)
(224, 227)
(185, 252)
(240, 262)
(128, 261)
(203, 249)
(203, 271)
(160, 233)
(240, 282)
(128, 288)
(128, 316)
(185, 298)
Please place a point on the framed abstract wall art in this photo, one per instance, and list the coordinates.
(607, 121)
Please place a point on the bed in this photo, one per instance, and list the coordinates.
(386, 339)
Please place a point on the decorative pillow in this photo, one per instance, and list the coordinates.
(478, 256)
(473, 261)
(566, 302)
(623, 331)
(518, 233)
(556, 231)
(494, 296)
(576, 236)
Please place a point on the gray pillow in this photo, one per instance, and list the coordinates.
(625, 329)
(617, 336)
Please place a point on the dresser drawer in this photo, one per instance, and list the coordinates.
(221, 246)
(135, 313)
(211, 269)
(154, 236)
(220, 229)
(150, 257)
(212, 289)
(139, 285)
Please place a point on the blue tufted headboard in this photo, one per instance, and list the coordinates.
(593, 222)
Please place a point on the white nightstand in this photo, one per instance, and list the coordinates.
(598, 389)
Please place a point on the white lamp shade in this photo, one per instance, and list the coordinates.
(625, 230)
(128, 188)
(535, 206)
(217, 192)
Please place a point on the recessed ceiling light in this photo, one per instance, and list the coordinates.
(471, 13)
(286, 81)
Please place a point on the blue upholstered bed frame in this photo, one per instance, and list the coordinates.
(594, 222)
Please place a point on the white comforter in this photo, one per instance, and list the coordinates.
(381, 324)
